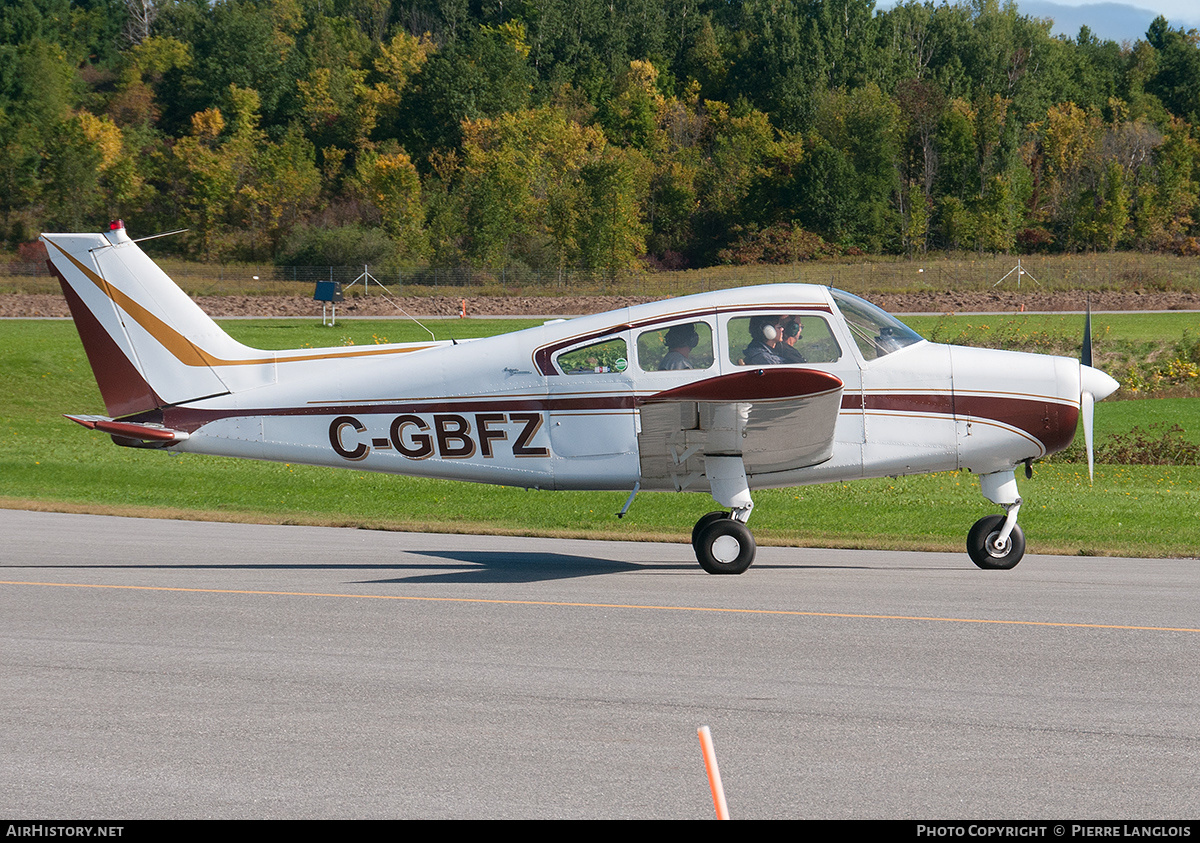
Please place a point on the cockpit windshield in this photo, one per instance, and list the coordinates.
(876, 332)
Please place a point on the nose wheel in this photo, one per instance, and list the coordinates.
(990, 549)
(996, 542)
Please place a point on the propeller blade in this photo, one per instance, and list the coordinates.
(1085, 355)
(1093, 385)
(1087, 403)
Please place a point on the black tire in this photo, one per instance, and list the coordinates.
(982, 551)
(704, 522)
(725, 546)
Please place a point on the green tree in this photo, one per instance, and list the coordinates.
(251, 45)
(864, 124)
(390, 182)
(484, 74)
(610, 232)
(1177, 80)
(279, 190)
(1168, 191)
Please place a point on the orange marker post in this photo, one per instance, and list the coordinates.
(462, 310)
(714, 774)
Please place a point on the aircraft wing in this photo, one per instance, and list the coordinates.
(775, 419)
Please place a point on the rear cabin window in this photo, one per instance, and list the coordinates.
(687, 345)
(780, 339)
(609, 355)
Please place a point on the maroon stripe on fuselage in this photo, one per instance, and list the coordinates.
(1050, 422)
(914, 402)
(192, 418)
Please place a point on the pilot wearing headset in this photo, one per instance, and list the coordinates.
(764, 336)
(680, 339)
(787, 348)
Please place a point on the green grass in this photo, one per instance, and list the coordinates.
(278, 334)
(1107, 328)
(48, 462)
(1153, 355)
(1113, 417)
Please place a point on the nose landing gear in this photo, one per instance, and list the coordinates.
(989, 550)
(996, 542)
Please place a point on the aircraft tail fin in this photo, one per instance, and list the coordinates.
(149, 345)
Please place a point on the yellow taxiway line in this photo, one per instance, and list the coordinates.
(789, 612)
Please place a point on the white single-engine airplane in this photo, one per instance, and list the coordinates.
(722, 392)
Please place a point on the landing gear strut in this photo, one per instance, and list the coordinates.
(996, 542)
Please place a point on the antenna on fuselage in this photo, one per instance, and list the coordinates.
(164, 234)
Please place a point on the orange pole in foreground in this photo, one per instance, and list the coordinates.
(714, 774)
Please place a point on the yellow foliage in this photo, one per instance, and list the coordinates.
(1068, 137)
(207, 124)
(390, 181)
(154, 56)
(104, 135)
(399, 60)
(513, 34)
(643, 77)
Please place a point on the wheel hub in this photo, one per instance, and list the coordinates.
(726, 549)
(996, 546)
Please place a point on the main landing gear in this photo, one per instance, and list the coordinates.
(722, 541)
(996, 542)
(723, 544)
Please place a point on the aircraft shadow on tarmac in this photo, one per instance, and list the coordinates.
(505, 566)
(495, 566)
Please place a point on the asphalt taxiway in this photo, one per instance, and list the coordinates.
(184, 669)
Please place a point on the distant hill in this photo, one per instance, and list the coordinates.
(1108, 21)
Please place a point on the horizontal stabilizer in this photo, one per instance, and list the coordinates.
(132, 434)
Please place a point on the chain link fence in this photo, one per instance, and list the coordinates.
(1106, 271)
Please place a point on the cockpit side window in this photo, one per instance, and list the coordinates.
(688, 345)
(876, 332)
(781, 339)
(610, 355)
